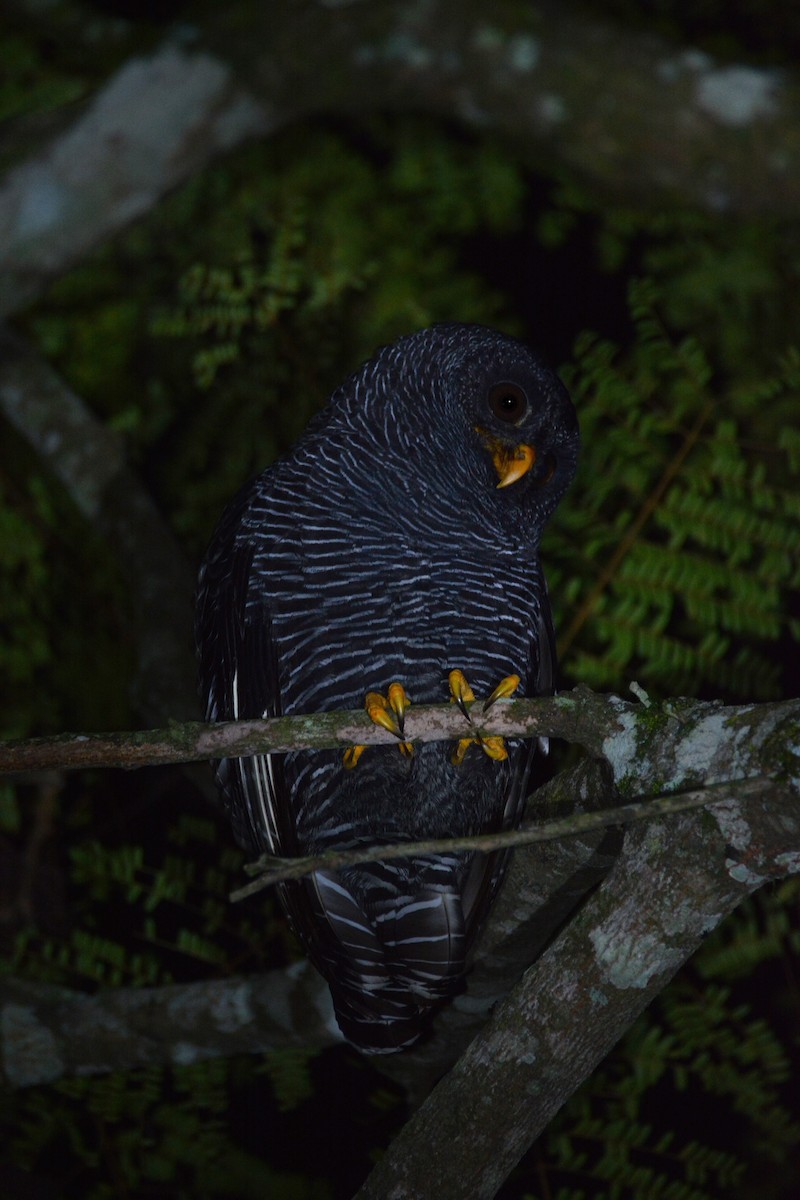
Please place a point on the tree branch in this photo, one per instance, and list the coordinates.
(272, 870)
(156, 122)
(673, 883)
(88, 460)
(687, 739)
(575, 716)
(47, 1032)
(635, 116)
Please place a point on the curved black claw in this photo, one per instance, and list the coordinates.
(462, 694)
(505, 688)
(389, 712)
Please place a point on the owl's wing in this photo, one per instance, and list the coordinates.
(239, 679)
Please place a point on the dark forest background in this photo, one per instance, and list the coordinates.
(203, 337)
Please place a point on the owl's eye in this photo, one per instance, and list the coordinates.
(508, 402)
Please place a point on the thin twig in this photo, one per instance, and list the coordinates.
(277, 870)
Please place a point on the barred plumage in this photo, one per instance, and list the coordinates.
(382, 549)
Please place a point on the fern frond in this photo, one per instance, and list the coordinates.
(689, 546)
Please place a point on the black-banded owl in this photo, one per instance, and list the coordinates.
(398, 541)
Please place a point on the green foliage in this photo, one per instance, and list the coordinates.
(206, 337)
(29, 84)
(47, 619)
(290, 1076)
(143, 915)
(161, 1133)
(680, 545)
(731, 283)
(10, 815)
(25, 606)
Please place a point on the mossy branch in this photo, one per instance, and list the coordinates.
(580, 716)
(651, 747)
(677, 751)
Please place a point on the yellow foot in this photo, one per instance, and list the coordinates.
(351, 756)
(462, 694)
(505, 688)
(389, 712)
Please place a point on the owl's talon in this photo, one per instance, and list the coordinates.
(460, 692)
(379, 713)
(494, 746)
(399, 702)
(389, 712)
(505, 688)
(460, 751)
(351, 756)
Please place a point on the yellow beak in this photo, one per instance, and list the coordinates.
(510, 462)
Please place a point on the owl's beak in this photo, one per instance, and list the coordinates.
(512, 462)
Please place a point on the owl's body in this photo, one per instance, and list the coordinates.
(382, 550)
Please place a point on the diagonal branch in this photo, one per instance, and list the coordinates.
(672, 884)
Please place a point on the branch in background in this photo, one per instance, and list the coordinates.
(89, 462)
(637, 117)
(156, 122)
(47, 1032)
